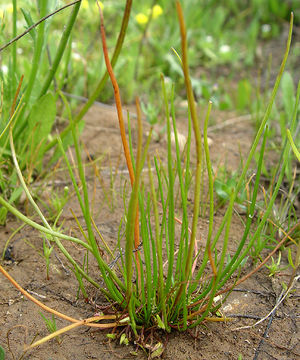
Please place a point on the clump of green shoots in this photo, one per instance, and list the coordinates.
(274, 267)
(166, 278)
(56, 203)
(51, 326)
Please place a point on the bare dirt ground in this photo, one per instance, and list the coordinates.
(20, 319)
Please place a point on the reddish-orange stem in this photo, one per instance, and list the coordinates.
(117, 99)
(212, 263)
(123, 136)
(52, 311)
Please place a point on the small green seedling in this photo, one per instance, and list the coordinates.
(160, 323)
(55, 203)
(124, 339)
(51, 326)
(291, 262)
(275, 268)
(286, 289)
(157, 351)
(151, 111)
(58, 202)
(47, 253)
(111, 336)
(225, 184)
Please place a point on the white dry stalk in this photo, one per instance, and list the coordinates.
(281, 297)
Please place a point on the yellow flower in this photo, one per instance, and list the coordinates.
(141, 18)
(6, 9)
(85, 4)
(9, 8)
(156, 11)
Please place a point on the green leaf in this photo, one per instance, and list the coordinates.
(2, 353)
(243, 262)
(3, 215)
(294, 147)
(124, 340)
(157, 351)
(40, 122)
(221, 189)
(15, 195)
(290, 259)
(288, 94)
(160, 323)
(67, 141)
(29, 22)
(134, 353)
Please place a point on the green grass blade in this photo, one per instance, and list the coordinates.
(259, 132)
(210, 177)
(158, 245)
(14, 50)
(147, 260)
(197, 134)
(259, 228)
(171, 206)
(293, 145)
(180, 264)
(61, 48)
(104, 78)
(252, 206)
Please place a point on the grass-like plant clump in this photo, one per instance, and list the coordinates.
(166, 278)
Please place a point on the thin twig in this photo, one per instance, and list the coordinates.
(36, 294)
(245, 316)
(281, 297)
(264, 336)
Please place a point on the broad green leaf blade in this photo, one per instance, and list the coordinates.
(40, 122)
(66, 142)
(29, 21)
